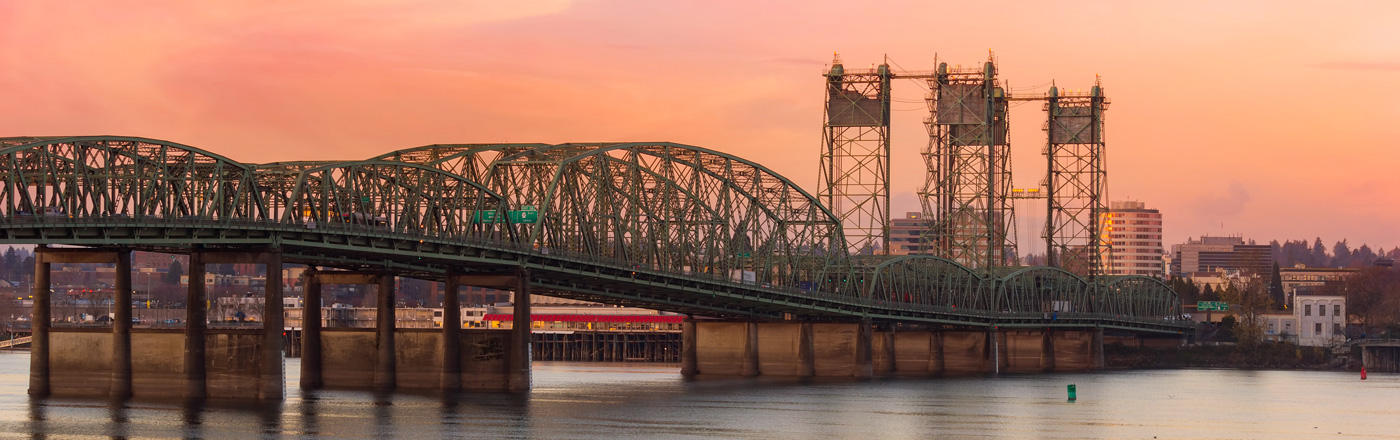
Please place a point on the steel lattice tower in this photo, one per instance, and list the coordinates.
(968, 181)
(1075, 236)
(855, 162)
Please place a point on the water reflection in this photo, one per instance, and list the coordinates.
(117, 413)
(192, 414)
(593, 401)
(38, 421)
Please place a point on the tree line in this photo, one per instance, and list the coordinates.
(16, 264)
(1292, 252)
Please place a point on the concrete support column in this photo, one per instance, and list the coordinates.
(39, 326)
(806, 351)
(887, 352)
(1047, 350)
(385, 370)
(863, 367)
(271, 378)
(749, 365)
(196, 323)
(518, 375)
(937, 364)
(311, 330)
(990, 354)
(451, 335)
(690, 364)
(121, 328)
(1096, 350)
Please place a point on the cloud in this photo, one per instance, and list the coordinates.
(1228, 203)
(1359, 65)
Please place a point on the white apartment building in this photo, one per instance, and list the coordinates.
(1135, 237)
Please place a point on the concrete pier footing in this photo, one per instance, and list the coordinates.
(858, 350)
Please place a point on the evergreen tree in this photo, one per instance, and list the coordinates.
(1341, 254)
(1319, 254)
(1209, 294)
(1363, 256)
(173, 274)
(1276, 289)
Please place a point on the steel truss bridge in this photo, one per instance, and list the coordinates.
(658, 225)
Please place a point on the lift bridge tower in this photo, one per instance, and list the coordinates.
(1076, 235)
(855, 160)
(968, 181)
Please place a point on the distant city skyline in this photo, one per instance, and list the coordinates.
(1270, 120)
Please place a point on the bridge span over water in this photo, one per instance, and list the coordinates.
(658, 225)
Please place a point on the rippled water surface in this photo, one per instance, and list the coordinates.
(613, 401)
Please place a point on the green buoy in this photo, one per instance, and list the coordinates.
(1070, 387)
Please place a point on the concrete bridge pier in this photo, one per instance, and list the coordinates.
(451, 376)
(121, 327)
(518, 376)
(81, 376)
(481, 363)
(234, 363)
(689, 362)
(311, 330)
(854, 349)
(385, 319)
(196, 325)
(797, 349)
(1381, 357)
(340, 356)
(81, 361)
(39, 325)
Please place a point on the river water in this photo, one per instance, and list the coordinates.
(617, 401)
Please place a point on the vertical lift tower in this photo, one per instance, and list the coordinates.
(968, 178)
(1076, 236)
(855, 162)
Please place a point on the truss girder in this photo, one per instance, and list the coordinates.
(674, 207)
(105, 176)
(393, 196)
(928, 280)
(675, 226)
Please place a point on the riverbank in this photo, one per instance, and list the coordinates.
(1271, 356)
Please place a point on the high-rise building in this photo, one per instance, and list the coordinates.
(1220, 254)
(907, 235)
(1135, 239)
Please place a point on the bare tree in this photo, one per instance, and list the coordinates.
(1373, 297)
(1250, 296)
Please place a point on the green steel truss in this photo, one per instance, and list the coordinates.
(664, 225)
(939, 282)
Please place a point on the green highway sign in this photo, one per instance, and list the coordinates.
(745, 255)
(484, 217)
(1212, 306)
(527, 214)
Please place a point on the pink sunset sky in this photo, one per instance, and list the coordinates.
(1274, 120)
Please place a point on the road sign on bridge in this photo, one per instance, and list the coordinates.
(1212, 306)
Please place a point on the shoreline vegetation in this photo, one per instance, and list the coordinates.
(1266, 356)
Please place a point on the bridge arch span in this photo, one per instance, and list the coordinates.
(389, 196)
(674, 207)
(928, 280)
(1140, 296)
(1041, 290)
(472, 161)
(121, 176)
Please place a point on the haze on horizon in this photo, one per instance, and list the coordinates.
(1272, 120)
